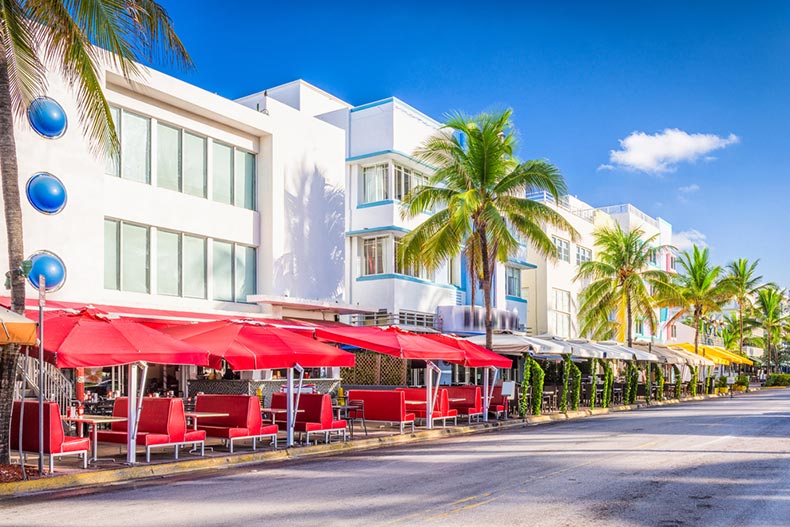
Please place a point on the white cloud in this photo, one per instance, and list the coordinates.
(689, 189)
(661, 152)
(685, 240)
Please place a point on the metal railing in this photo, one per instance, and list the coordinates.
(56, 386)
(627, 208)
(564, 203)
(402, 318)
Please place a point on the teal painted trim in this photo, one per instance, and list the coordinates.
(522, 263)
(385, 152)
(396, 276)
(377, 229)
(372, 104)
(516, 299)
(376, 203)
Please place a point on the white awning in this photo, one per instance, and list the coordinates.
(516, 344)
(638, 355)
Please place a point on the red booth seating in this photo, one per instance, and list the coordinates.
(242, 422)
(56, 443)
(441, 409)
(162, 424)
(472, 404)
(384, 405)
(317, 417)
(499, 404)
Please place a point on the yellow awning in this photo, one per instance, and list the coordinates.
(737, 359)
(708, 352)
(16, 329)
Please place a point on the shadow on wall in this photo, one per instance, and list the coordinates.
(313, 264)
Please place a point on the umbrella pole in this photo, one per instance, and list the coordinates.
(428, 395)
(41, 302)
(131, 439)
(289, 407)
(140, 396)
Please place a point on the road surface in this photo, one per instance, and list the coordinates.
(721, 462)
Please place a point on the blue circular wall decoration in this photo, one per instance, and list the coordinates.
(47, 117)
(51, 267)
(46, 193)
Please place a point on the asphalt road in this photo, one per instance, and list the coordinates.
(721, 462)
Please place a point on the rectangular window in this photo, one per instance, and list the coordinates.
(513, 283)
(673, 331)
(640, 327)
(583, 255)
(136, 147)
(561, 314)
(653, 257)
(375, 183)
(562, 300)
(168, 157)
(194, 165)
(168, 263)
(194, 266)
(245, 272)
(244, 194)
(672, 262)
(563, 249)
(112, 250)
(222, 271)
(112, 166)
(222, 177)
(373, 256)
(134, 258)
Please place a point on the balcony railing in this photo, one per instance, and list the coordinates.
(402, 318)
(564, 203)
(627, 208)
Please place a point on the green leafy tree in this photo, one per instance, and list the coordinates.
(478, 190)
(620, 283)
(744, 282)
(769, 316)
(538, 376)
(697, 291)
(72, 38)
(566, 378)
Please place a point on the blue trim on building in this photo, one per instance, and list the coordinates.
(385, 152)
(376, 203)
(395, 100)
(516, 299)
(372, 104)
(522, 263)
(377, 229)
(396, 276)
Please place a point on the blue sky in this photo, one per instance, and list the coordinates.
(694, 96)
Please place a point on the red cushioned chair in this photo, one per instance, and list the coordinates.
(384, 405)
(242, 422)
(441, 409)
(499, 404)
(316, 417)
(162, 424)
(472, 404)
(56, 443)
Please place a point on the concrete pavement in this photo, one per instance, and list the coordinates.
(719, 462)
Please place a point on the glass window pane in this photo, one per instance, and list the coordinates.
(112, 165)
(245, 272)
(134, 258)
(135, 147)
(194, 165)
(168, 157)
(111, 257)
(168, 263)
(222, 271)
(245, 180)
(223, 173)
(375, 183)
(194, 267)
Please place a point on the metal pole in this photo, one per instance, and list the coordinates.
(131, 439)
(486, 397)
(42, 300)
(289, 407)
(428, 395)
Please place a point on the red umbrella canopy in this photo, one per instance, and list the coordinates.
(253, 345)
(90, 338)
(475, 356)
(391, 341)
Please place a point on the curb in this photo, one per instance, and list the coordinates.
(186, 466)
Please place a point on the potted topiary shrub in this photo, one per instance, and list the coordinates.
(721, 385)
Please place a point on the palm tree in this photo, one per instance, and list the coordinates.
(480, 190)
(69, 36)
(622, 283)
(769, 315)
(743, 281)
(730, 332)
(697, 291)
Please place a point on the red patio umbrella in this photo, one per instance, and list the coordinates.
(254, 345)
(391, 341)
(475, 356)
(91, 338)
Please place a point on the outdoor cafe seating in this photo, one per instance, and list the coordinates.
(236, 418)
(314, 416)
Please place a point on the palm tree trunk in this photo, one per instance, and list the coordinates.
(740, 320)
(487, 280)
(629, 322)
(696, 333)
(13, 221)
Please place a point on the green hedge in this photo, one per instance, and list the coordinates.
(778, 379)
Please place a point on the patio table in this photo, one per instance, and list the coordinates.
(273, 411)
(197, 415)
(93, 421)
(342, 413)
